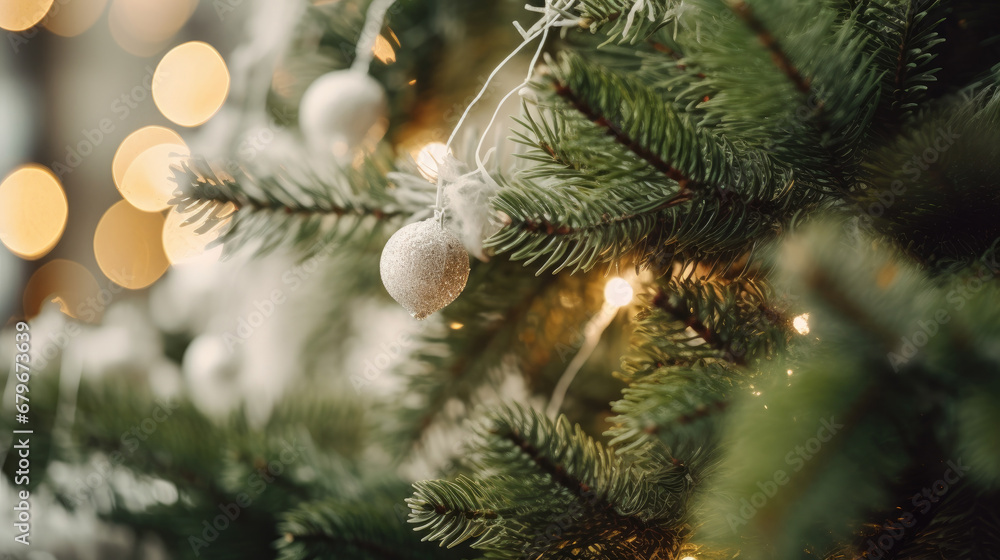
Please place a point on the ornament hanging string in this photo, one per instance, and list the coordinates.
(424, 265)
(438, 200)
(555, 13)
(534, 60)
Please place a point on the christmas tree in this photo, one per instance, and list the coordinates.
(731, 266)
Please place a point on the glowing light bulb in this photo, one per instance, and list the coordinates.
(429, 158)
(789, 372)
(801, 323)
(618, 292)
(456, 326)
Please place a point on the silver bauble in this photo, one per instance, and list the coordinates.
(424, 267)
(340, 111)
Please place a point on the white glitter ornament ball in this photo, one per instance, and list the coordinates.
(341, 110)
(424, 267)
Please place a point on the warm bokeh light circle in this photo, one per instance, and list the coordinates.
(137, 143)
(144, 27)
(67, 283)
(73, 17)
(128, 246)
(148, 183)
(33, 211)
(618, 292)
(429, 158)
(191, 83)
(183, 245)
(801, 323)
(18, 15)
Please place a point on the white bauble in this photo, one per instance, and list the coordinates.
(211, 372)
(424, 267)
(342, 110)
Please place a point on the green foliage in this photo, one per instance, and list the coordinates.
(844, 419)
(539, 474)
(964, 525)
(458, 510)
(732, 321)
(354, 530)
(520, 442)
(309, 210)
(507, 316)
(790, 55)
(630, 19)
(686, 368)
(906, 35)
(679, 406)
(640, 182)
(933, 188)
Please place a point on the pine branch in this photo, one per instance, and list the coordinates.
(780, 57)
(831, 160)
(542, 225)
(729, 321)
(630, 19)
(691, 321)
(905, 33)
(677, 413)
(639, 118)
(681, 367)
(929, 188)
(597, 159)
(547, 472)
(520, 442)
(803, 95)
(352, 531)
(455, 511)
(615, 132)
(298, 208)
(965, 525)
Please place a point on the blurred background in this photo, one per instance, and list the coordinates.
(98, 98)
